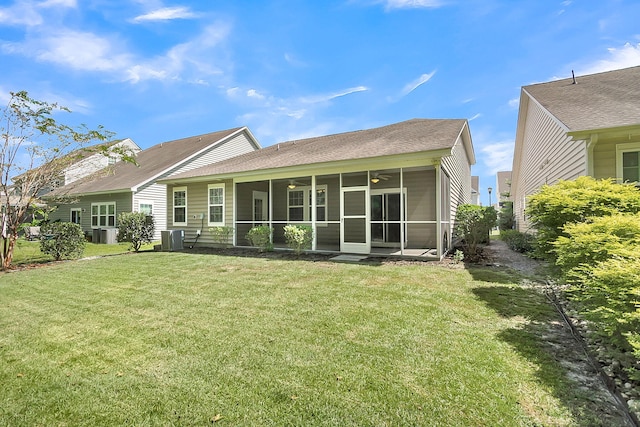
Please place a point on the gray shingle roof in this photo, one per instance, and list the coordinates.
(152, 161)
(412, 136)
(596, 101)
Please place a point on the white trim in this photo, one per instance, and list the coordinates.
(173, 205)
(146, 202)
(309, 203)
(106, 215)
(209, 204)
(620, 150)
(79, 216)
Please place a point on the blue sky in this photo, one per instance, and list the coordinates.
(158, 70)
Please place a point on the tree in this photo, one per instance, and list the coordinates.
(35, 150)
(473, 225)
(62, 240)
(136, 228)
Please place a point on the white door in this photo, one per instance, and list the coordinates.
(260, 208)
(355, 232)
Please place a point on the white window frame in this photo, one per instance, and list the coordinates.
(78, 215)
(106, 215)
(620, 150)
(210, 187)
(146, 202)
(173, 202)
(306, 206)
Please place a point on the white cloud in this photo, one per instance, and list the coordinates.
(514, 103)
(166, 14)
(410, 87)
(28, 12)
(624, 57)
(476, 116)
(412, 4)
(498, 156)
(315, 99)
(252, 93)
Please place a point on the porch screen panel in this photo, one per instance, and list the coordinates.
(355, 230)
(354, 203)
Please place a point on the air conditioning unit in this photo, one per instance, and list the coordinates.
(172, 240)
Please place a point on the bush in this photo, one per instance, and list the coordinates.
(567, 202)
(221, 234)
(298, 237)
(136, 228)
(260, 236)
(473, 225)
(608, 294)
(62, 240)
(517, 241)
(598, 240)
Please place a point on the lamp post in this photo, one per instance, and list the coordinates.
(490, 195)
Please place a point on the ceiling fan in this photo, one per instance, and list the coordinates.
(376, 177)
(293, 184)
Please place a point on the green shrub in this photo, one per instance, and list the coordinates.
(597, 240)
(221, 234)
(260, 237)
(608, 294)
(473, 225)
(567, 202)
(517, 241)
(136, 228)
(62, 240)
(298, 237)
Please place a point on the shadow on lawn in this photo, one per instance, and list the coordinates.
(543, 339)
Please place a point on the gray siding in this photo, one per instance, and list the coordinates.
(63, 213)
(547, 155)
(458, 168)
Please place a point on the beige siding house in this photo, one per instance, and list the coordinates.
(568, 128)
(124, 187)
(388, 190)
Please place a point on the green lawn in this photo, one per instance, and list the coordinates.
(191, 339)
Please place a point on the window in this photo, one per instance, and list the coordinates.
(76, 214)
(146, 207)
(103, 214)
(628, 162)
(216, 204)
(300, 203)
(180, 206)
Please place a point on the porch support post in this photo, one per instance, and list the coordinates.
(271, 208)
(439, 249)
(313, 212)
(402, 218)
(234, 185)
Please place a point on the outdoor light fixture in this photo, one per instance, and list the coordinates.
(291, 186)
(375, 180)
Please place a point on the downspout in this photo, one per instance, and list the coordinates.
(271, 209)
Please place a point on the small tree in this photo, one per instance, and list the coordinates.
(260, 236)
(35, 150)
(505, 217)
(567, 202)
(136, 228)
(473, 225)
(62, 240)
(298, 237)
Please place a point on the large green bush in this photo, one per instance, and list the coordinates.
(517, 241)
(567, 202)
(62, 240)
(473, 225)
(136, 228)
(599, 239)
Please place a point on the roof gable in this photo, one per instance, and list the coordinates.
(412, 136)
(152, 162)
(595, 101)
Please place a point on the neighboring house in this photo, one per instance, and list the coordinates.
(503, 187)
(568, 128)
(99, 198)
(475, 190)
(392, 190)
